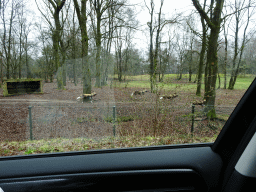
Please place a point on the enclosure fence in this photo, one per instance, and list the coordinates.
(44, 121)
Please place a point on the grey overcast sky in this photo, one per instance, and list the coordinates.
(170, 8)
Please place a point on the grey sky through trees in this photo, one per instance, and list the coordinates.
(170, 8)
(140, 38)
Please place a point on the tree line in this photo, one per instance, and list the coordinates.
(91, 40)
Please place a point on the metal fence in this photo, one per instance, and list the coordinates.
(199, 117)
(52, 120)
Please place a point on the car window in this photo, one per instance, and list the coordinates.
(85, 75)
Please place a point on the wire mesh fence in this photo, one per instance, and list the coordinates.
(199, 118)
(72, 120)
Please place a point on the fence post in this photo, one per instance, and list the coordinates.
(114, 121)
(30, 122)
(193, 118)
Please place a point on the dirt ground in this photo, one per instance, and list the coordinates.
(58, 113)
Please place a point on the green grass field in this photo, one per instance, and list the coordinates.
(171, 82)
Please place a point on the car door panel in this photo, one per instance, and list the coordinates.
(162, 180)
(192, 168)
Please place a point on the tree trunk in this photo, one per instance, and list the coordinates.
(212, 69)
(20, 44)
(98, 53)
(63, 62)
(87, 87)
(219, 81)
(1, 60)
(64, 74)
(201, 62)
(109, 41)
(225, 63)
(190, 66)
(27, 64)
(231, 81)
(226, 54)
(180, 68)
(9, 46)
(151, 56)
(56, 38)
(235, 70)
(82, 18)
(74, 60)
(154, 58)
(119, 64)
(74, 50)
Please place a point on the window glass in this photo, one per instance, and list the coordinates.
(118, 73)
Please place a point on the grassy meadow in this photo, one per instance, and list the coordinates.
(136, 136)
(170, 82)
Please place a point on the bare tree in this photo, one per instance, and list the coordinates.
(108, 37)
(154, 50)
(226, 53)
(99, 8)
(160, 25)
(109, 33)
(26, 46)
(56, 38)
(238, 50)
(22, 22)
(151, 56)
(189, 44)
(8, 31)
(47, 67)
(123, 45)
(226, 25)
(250, 57)
(181, 47)
(214, 23)
(55, 8)
(164, 60)
(119, 47)
(74, 49)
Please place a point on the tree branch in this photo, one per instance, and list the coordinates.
(61, 5)
(53, 4)
(202, 13)
(235, 12)
(48, 21)
(78, 11)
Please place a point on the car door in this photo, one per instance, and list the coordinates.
(218, 166)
